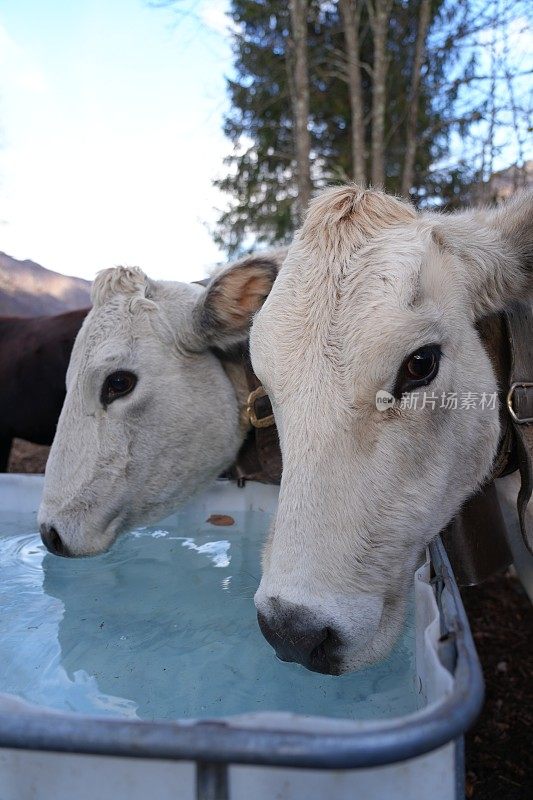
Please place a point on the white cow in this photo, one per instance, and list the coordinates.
(376, 298)
(151, 415)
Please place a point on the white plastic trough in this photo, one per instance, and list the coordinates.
(46, 755)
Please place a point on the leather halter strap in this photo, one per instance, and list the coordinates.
(259, 458)
(475, 539)
(519, 405)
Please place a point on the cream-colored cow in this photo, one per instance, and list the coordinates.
(151, 415)
(375, 300)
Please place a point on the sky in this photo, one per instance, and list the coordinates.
(111, 134)
(111, 115)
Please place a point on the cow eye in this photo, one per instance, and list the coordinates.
(118, 384)
(418, 369)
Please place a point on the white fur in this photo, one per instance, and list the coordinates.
(365, 284)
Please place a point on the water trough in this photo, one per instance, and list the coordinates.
(150, 676)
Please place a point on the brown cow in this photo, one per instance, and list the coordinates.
(34, 355)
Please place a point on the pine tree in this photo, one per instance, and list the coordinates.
(261, 179)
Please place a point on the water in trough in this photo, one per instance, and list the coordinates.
(163, 626)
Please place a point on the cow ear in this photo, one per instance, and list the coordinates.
(495, 250)
(224, 313)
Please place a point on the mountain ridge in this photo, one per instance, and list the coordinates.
(28, 289)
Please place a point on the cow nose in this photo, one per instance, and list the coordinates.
(295, 637)
(52, 541)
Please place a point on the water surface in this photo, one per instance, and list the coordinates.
(163, 626)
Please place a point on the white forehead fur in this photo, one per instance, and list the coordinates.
(126, 306)
(130, 281)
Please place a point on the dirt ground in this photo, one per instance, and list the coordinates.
(26, 457)
(499, 748)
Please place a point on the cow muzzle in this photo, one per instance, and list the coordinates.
(298, 635)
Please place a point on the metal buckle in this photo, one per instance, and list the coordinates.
(510, 394)
(261, 422)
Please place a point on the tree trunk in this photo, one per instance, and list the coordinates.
(414, 96)
(351, 18)
(300, 102)
(379, 18)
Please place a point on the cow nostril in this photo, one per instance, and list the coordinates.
(268, 632)
(53, 541)
(295, 638)
(318, 657)
(56, 541)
